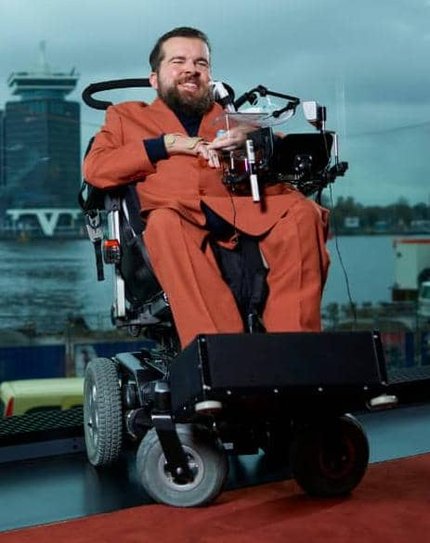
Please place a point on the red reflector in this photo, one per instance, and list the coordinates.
(111, 243)
(9, 408)
(111, 251)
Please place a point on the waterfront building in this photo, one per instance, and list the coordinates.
(41, 158)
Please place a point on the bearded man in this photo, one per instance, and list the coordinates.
(169, 149)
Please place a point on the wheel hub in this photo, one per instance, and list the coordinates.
(195, 465)
(337, 459)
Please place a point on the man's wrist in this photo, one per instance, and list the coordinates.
(179, 142)
(170, 140)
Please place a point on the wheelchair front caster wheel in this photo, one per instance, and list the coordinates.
(207, 461)
(330, 458)
(103, 416)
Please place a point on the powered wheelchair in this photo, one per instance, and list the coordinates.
(287, 394)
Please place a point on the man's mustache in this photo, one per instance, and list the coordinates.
(189, 79)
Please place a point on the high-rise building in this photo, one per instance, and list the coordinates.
(41, 172)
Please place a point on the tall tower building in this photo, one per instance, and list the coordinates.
(41, 153)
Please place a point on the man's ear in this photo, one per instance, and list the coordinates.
(153, 80)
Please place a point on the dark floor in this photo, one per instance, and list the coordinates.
(65, 486)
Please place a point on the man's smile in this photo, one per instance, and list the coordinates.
(191, 85)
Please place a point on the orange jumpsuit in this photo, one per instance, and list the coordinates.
(291, 228)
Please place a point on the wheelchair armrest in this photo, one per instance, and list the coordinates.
(94, 199)
(91, 198)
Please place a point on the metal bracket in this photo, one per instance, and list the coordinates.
(176, 459)
(177, 463)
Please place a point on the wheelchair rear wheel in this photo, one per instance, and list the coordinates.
(207, 461)
(103, 417)
(329, 458)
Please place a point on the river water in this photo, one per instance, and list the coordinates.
(47, 281)
(366, 264)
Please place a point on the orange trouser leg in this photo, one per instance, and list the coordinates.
(200, 300)
(298, 262)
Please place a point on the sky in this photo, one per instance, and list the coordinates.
(367, 61)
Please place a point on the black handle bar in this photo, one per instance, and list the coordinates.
(252, 97)
(87, 94)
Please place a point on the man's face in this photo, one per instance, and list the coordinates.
(182, 80)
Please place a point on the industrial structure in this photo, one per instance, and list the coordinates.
(40, 155)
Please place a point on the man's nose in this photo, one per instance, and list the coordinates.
(191, 67)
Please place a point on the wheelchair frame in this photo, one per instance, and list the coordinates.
(187, 409)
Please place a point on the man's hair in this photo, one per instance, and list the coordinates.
(157, 53)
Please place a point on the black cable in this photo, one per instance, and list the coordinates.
(342, 265)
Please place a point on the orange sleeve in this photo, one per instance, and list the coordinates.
(112, 161)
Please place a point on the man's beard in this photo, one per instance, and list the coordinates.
(189, 105)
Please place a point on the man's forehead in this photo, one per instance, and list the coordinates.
(179, 46)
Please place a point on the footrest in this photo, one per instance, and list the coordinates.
(284, 367)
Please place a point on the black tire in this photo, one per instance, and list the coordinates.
(207, 461)
(103, 414)
(331, 458)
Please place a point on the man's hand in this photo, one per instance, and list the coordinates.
(179, 144)
(232, 139)
(212, 157)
